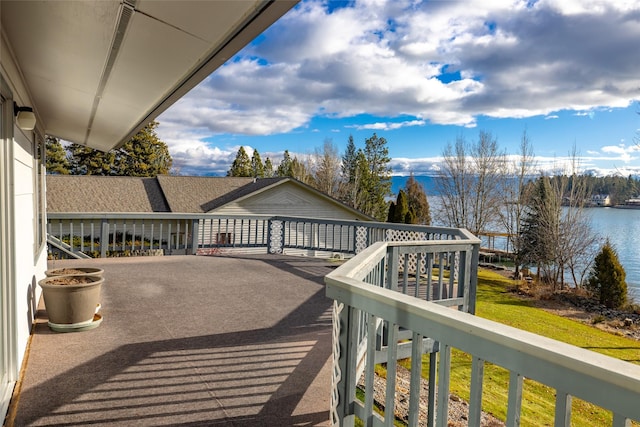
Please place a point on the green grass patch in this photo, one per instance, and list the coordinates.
(496, 303)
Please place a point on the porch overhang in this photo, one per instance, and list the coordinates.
(98, 71)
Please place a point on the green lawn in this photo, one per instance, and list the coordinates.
(496, 303)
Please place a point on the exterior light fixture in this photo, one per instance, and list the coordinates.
(25, 117)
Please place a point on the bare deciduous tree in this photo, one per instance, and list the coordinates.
(469, 183)
(518, 174)
(325, 168)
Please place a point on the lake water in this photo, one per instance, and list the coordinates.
(622, 227)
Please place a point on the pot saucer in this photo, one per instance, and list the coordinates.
(77, 327)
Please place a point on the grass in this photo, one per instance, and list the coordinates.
(496, 303)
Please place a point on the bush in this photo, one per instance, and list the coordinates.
(607, 279)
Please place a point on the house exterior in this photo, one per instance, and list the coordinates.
(228, 196)
(229, 214)
(600, 200)
(94, 73)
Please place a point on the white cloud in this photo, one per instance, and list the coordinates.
(437, 62)
(388, 125)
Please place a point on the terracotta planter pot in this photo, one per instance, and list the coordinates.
(71, 301)
(75, 271)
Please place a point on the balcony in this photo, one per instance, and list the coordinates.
(189, 340)
(250, 337)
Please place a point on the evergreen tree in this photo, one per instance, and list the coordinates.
(399, 210)
(257, 168)
(392, 212)
(143, 155)
(241, 166)
(350, 174)
(418, 203)
(362, 182)
(87, 161)
(608, 279)
(285, 166)
(377, 182)
(57, 162)
(539, 226)
(268, 168)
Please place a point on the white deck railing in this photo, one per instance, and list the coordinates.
(366, 303)
(116, 234)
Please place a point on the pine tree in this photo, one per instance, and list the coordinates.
(350, 174)
(87, 161)
(57, 162)
(241, 166)
(608, 279)
(418, 203)
(143, 155)
(539, 226)
(398, 211)
(268, 168)
(257, 168)
(377, 183)
(285, 166)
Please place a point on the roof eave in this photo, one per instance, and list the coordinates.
(252, 27)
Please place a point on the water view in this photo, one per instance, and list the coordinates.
(622, 227)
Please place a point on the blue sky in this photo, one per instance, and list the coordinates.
(421, 74)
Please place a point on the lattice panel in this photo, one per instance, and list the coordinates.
(275, 241)
(361, 239)
(406, 235)
(336, 373)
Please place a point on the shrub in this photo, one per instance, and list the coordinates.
(607, 279)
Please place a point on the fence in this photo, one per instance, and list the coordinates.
(369, 311)
(118, 234)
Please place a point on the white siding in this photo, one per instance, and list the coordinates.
(289, 199)
(22, 257)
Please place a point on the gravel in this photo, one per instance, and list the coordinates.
(458, 409)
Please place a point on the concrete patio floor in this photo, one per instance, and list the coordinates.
(188, 341)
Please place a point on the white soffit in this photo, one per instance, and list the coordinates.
(88, 89)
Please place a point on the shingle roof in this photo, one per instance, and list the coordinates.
(91, 193)
(252, 187)
(165, 193)
(189, 194)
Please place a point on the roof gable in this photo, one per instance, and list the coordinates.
(191, 194)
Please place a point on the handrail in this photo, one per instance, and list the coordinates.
(108, 233)
(605, 381)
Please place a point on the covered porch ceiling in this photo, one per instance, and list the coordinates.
(98, 71)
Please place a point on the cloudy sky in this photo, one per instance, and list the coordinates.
(422, 74)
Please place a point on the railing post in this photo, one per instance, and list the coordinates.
(392, 270)
(269, 225)
(473, 277)
(195, 232)
(104, 238)
(344, 366)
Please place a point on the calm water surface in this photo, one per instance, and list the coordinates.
(622, 227)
